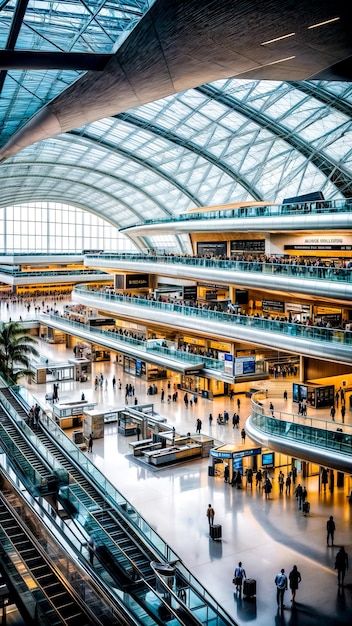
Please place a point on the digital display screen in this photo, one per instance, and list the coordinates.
(249, 366)
(268, 458)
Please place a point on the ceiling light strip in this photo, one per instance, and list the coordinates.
(266, 43)
(334, 19)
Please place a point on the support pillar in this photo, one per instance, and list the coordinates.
(302, 367)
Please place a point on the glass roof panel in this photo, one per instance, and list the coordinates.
(94, 26)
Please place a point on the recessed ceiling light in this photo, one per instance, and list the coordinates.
(334, 19)
(265, 43)
(280, 60)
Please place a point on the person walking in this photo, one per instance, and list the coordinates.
(210, 515)
(258, 478)
(267, 487)
(90, 443)
(294, 578)
(343, 413)
(298, 494)
(324, 477)
(341, 564)
(281, 481)
(330, 530)
(332, 413)
(210, 419)
(281, 586)
(243, 435)
(238, 577)
(238, 404)
(288, 484)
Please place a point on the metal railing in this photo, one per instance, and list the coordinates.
(311, 333)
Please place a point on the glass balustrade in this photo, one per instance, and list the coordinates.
(269, 210)
(177, 355)
(301, 331)
(310, 431)
(292, 270)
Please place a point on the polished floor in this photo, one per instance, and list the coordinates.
(265, 535)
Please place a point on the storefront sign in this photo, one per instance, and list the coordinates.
(273, 305)
(248, 245)
(212, 248)
(190, 292)
(137, 281)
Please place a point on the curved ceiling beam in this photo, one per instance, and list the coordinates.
(189, 145)
(82, 168)
(331, 170)
(133, 157)
(81, 184)
(184, 43)
(319, 93)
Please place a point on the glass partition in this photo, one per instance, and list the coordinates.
(304, 430)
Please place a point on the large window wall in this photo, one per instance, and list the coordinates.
(57, 227)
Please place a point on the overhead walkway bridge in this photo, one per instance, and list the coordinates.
(312, 439)
(310, 341)
(329, 284)
(129, 557)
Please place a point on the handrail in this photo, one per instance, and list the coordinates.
(125, 508)
(176, 355)
(311, 333)
(298, 270)
(269, 210)
(99, 592)
(30, 435)
(314, 431)
(20, 274)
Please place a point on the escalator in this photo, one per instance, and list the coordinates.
(123, 553)
(44, 597)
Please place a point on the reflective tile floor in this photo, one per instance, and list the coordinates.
(265, 535)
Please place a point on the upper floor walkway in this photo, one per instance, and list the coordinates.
(327, 283)
(311, 438)
(322, 343)
(318, 215)
(14, 276)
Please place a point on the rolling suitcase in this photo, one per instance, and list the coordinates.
(249, 587)
(306, 508)
(215, 531)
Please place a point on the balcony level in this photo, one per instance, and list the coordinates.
(259, 217)
(321, 343)
(327, 284)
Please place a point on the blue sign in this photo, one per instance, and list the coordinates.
(241, 453)
(220, 455)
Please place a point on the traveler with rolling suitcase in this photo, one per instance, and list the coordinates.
(238, 577)
(305, 508)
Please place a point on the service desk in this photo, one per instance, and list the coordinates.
(127, 429)
(173, 454)
(144, 445)
(70, 414)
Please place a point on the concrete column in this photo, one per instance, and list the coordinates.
(302, 363)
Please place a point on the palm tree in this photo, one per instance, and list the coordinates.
(16, 347)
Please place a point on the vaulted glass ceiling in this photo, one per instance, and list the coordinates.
(229, 141)
(88, 26)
